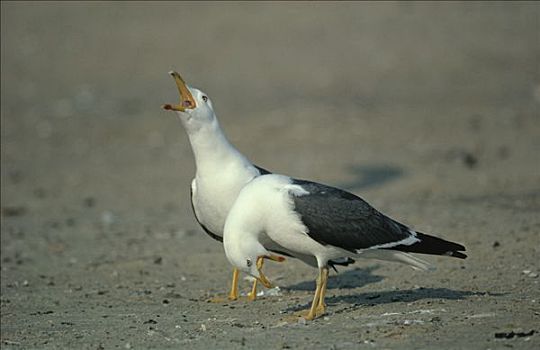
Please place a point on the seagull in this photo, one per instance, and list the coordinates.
(222, 171)
(321, 221)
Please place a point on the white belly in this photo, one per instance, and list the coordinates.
(213, 198)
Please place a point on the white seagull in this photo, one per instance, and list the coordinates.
(324, 222)
(222, 171)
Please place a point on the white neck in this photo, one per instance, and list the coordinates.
(241, 244)
(211, 149)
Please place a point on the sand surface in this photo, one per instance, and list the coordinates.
(428, 111)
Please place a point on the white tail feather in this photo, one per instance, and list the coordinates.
(401, 257)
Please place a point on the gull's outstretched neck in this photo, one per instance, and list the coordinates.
(221, 170)
(212, 150)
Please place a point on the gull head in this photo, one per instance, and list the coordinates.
(250, 258)
(194, 107)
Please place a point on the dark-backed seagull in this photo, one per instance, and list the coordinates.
(221, 172)
(324, 222)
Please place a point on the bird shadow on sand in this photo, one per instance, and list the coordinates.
(393, 296)
(350, 279)
(370, 175)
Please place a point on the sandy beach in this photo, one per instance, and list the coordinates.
(429, 111)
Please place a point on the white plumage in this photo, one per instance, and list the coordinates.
(221, 170)
(321, 225)
(296, 215)
(264, 211)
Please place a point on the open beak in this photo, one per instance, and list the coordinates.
(260, 260)
(186, 99)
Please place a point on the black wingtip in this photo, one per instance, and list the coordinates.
(456, 254)
(434, 246)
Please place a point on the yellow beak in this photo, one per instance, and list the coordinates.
(260, 260)
(186, 98)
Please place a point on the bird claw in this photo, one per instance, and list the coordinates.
(321, 310)
(306, 315)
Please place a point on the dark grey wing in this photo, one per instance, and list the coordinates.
(341, 219)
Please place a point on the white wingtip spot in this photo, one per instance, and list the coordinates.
(406, 241)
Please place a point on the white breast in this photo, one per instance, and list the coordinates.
(214, 194)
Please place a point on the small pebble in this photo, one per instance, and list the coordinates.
(13, 211)
(529, 273)
(470, 160)
(89, 202)
(107, 217)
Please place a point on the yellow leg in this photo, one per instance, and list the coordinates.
(312, 314)
(253, 294)
(233, 295)
(321, 306)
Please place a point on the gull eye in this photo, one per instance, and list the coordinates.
(248, 262)
(205, 98)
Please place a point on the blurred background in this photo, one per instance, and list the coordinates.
(344, 93)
